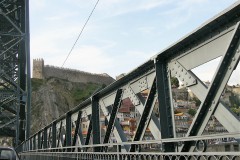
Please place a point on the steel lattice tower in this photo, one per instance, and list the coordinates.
(14, 69)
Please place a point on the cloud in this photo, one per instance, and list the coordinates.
(36, 5)
(122, 7)
(120, 35)
(89, 58)
(146, 29)
(62, 16)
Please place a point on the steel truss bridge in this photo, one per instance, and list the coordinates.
(94, 129)
(14, 70)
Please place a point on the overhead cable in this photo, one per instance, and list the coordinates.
(79, 35)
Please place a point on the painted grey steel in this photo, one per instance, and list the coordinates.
(15, 72)
(209, 104)
(164, 99)
(146, 116)
(112, 119)
(95, 122)
(148, 90)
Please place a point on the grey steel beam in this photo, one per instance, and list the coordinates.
(39, 140)
(78, 130)
(34, 142)
(153, 124)
(59, 138)
(5, 107)
(28, 69)
(222, 75)
(222, 113)
(201, 53)
(89, 132)
(117, 130)
(49, 138)
(15, 60)
(112, 119)
(146, 115)
(54, 135)
(95, 123)
(9, 132)
(164, 103)
(212, 37)
(45, 138)
(68, 135)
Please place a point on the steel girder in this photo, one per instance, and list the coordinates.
(14, 69)
(148, 90)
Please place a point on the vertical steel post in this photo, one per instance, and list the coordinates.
(164, 103)
(39, 140)
(68, 129)
(34, 142)
(28, 69)
(54, 135)
(45, 138)
(95, 123)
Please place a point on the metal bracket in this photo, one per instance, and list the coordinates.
(132, 96)
(182, 74)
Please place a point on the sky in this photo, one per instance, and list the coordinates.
(121, 34)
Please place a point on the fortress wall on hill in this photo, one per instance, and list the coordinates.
(76, 76)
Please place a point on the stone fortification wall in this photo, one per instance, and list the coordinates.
(38, 68)
(76, 75)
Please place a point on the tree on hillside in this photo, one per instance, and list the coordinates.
(192, 112)
(174, 82)
(197, 101)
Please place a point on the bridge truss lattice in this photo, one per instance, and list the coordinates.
(94, 128)
(14, 69)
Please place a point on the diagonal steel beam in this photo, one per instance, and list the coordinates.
(117, 130)
(146, 115)
(77, 129)
(11, 22)
(8, 108)
(153, 124)
(6, 124)
(112, 119)
(221, 77)
(190, 80)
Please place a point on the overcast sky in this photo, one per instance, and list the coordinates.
(121, 34)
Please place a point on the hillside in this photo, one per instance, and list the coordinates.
(53, 97)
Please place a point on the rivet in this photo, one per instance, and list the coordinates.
(233, 59)
(229, 67)
(213, 102)
(190, 77)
